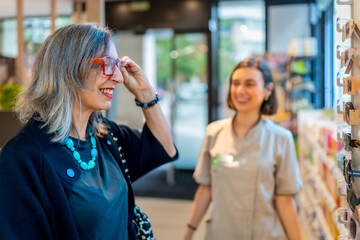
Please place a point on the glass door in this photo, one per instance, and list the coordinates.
(189, 56)
(182, 70)
(176, 66)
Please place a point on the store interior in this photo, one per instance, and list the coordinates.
(187, 49)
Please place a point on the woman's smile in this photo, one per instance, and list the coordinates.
(108, 92)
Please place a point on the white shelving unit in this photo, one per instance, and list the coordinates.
(353, 8)
(315, 192)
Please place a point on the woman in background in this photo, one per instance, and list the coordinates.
(68, 172)
(247, 166)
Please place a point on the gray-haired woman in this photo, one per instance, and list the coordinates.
(67, 174)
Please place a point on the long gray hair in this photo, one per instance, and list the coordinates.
(59, 73)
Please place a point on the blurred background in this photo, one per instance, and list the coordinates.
(187, 49)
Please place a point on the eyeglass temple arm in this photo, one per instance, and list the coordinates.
(339, 2)
(97, 60)
(354, 173)
(356, 28)
(350, 65)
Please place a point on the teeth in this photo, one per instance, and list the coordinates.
(107, 91)
(241, 100)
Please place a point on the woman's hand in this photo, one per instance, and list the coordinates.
(135, 80)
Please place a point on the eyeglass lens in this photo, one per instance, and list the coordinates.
(347, 29)
(349, 85)
(352, 197)
(347, 57)
(346, 142)
(109, 66)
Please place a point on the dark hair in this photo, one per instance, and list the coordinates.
(270, 106)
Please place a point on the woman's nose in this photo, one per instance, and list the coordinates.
(117, 76)
(240, 88)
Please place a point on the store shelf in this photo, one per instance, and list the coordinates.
(331, 165)
(305, 206)
(318, 213)
(321, 186)
(318, 189)
(331, 204)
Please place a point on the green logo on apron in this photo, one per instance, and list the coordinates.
(215, 160)
(222, 158)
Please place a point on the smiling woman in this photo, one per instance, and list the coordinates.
(247, 166)
(100, 92)
(75, 167)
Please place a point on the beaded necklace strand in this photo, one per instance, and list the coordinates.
(91, 164)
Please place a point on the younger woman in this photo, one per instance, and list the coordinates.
(248, 167)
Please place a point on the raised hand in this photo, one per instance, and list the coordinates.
(135, 80)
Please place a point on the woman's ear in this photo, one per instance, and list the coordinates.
(269, 87)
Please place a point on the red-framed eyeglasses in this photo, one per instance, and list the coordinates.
(108, 64)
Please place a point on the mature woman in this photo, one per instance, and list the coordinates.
(247, 166)
(68, 172)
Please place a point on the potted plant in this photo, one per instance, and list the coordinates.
(9, 123)
(8, 95)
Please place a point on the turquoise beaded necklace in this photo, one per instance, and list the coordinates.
(91, 164)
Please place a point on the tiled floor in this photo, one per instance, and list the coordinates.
(169, 217)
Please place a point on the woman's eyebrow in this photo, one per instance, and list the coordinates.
(244, 80)
(250, 80)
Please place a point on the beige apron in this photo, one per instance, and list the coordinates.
(245, 176)
(234, 181)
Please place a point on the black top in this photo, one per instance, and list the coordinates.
(97, 200)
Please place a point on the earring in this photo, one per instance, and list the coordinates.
(266, 98)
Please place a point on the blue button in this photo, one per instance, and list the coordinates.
(70, 172)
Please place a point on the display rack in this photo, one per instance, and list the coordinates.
(319, 143)
(353, 71)
(300, 82)
(300, 86)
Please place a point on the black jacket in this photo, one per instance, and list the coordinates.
(35, 186)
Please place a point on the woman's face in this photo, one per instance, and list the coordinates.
(101, 87)
(248, 90)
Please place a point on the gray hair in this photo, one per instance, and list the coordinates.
(59, 73)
